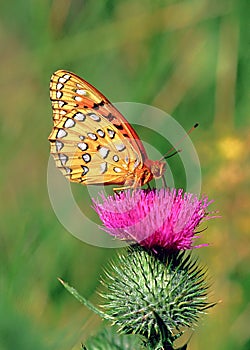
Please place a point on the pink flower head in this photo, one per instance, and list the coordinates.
(164, 218)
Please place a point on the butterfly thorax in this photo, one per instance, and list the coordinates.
(139, 176)
(142, 175)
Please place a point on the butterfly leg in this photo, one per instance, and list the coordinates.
(121, 188)
(116, 192)
(164, 181)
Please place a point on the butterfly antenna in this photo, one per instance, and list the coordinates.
(166, 155)
(172, 154)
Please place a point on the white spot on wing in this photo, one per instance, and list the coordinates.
(69, 123)
(61, 103)
(81, 92)
(101, 133)
(59, 86)
(82, 145)
(92, 136)
(111, 133)
(59, 145)
(62, 80)
(79, 116)
(136, 163)
(78, 98)
(61, 133)
(103, 167)
(120, 147)
(104, 152)
(63, 158)
(68, 170)
(117, 170)
(94, 117)
(85, 170)
(66, 77)
(59, 94)
(86, 157)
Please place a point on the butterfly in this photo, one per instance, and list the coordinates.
(91, 141)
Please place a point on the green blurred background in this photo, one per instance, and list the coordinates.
(188, 58)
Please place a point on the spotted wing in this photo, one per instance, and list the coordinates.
(69, 92)
(86, 145)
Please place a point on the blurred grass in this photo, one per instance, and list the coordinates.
(189, 58)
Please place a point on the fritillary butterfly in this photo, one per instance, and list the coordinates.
(91, 141)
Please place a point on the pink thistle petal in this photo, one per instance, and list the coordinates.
(154, 218)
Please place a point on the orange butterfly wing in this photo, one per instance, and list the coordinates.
(91, 140)
(67, 94)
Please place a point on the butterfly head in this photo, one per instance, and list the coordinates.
(157, 168)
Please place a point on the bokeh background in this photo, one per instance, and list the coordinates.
(189, 58)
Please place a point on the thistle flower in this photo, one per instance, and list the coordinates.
(153, 290)
(165, 218)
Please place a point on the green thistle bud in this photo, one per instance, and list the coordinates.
(154, 295)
